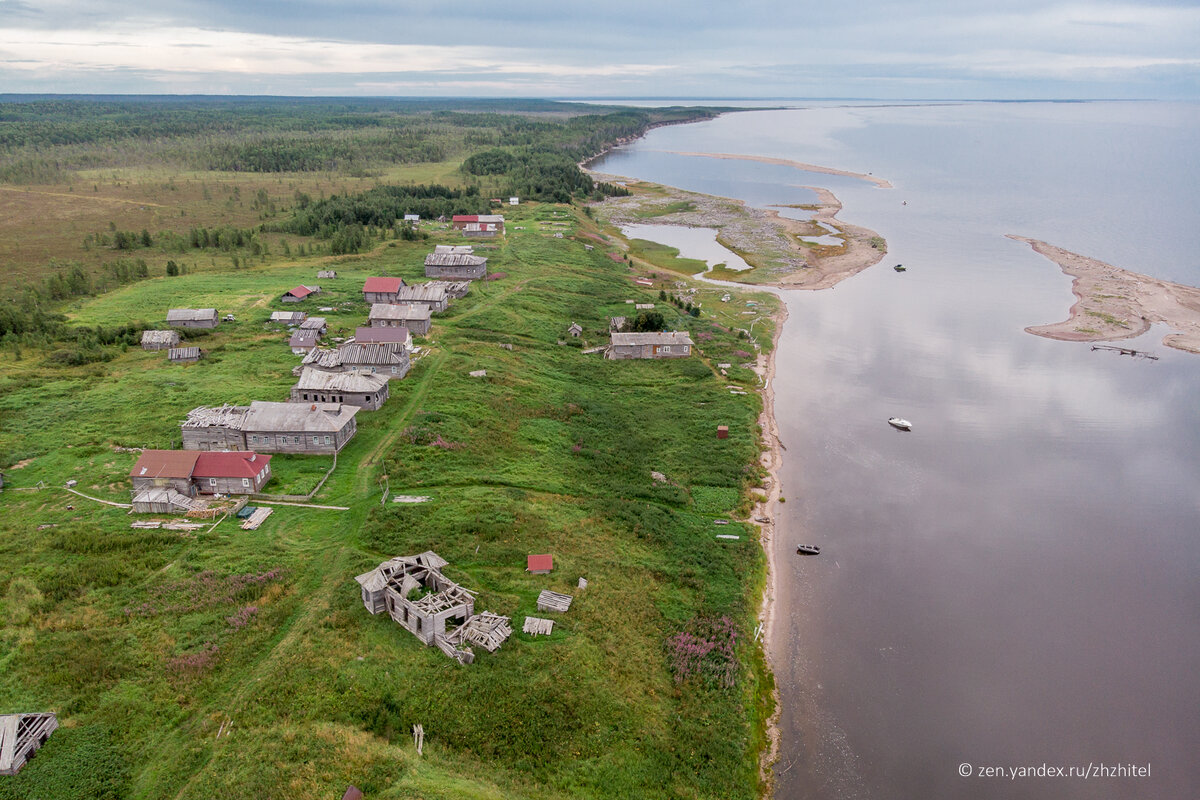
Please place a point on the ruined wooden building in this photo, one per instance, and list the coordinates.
(193, 318)
(313, 428)
(21, 736)
(663, 344)
(426, 294)
(414, 316)
(368, 392)
(455, 263)
(385, 360)
(439, 612)
(159, 340)
(455, 290)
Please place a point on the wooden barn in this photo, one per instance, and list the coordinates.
(414, 316)
(288, 317)
(368, 392)
(382, 290)
(164, 469)
(662, 344)
(21, 736)
(303, 341)
(193, 318)
(318, 324)
(183, 355)
(160, 340)
(299, 293)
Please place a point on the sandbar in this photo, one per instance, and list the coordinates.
(787, 162)
(1112, 303)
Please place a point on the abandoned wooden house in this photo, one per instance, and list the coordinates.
(21, 736)
(183, 355)
(159, 340)
(661, 344)
(318, 324)
(368, 392)
(478, 225)
(193, 318)
(615, 324)
(414, 316)
(455, 290)
(267, 427)
(575, 330)
(456, 266)
(303, 341)
(425, 294)
(326, 273)
(382, 290)
(288, 317)
(299, 293)
(400, 335)
(385, 360)
(161, 475)
(539, 564)
(439, 612)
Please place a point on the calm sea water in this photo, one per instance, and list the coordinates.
(1014, 583)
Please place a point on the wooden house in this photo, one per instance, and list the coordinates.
(430, 295)
(288, 317)
(159, 340)
(381, 290)
(299, 293)
(266, 427)
(384, 360)
(183, 355)
(478, 225)
(164, 469)
(662, 344)
(455, 290)
(539, 564)
(400, 335)
(326, 273)
(303, 341)
(317, 324)
(21, 736)
(368, 392)
(231, 473)
(193, 318)
(575, 330)
(452, 263)
(414, 316)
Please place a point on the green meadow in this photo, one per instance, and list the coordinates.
(241, 663)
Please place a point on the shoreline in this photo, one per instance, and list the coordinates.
(1112, 303)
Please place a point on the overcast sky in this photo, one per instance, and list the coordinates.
(618, 48)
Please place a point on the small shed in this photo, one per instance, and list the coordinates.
(183, 355)
(326, 273)
(288, 317)
(539, 564)
(514, 201)
(412, 219)
(159, 340)
(722, 431)
(299, 293)
(318, 324)
(575, 330)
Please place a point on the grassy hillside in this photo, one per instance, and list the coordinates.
(242, 663)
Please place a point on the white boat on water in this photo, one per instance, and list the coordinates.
(902, 424)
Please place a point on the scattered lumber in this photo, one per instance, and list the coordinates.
(536, 626)
(257, 518)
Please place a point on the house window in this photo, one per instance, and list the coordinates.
(395, 370)
(253, 440)
(367, 398)
(328, 440)
(666, 348)
(684, 350)
(245, 481)
(212, 482)
(316, 440)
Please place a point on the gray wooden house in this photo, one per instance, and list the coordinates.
(384, 360)
(400, 335)
(164, 469)
(368, 392)
(193, 318)
(183, 355)
(414, 316)
(288, 317)
(425, 294)
(231, 472)
(165, 481)
(160, 340)
(299, 293)
(455, 266)
(21, 736)
(318, 324)
(416, 595)
(267, 427)
(662, 344)
(303, 341)
(381, 290)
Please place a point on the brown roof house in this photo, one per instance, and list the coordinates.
(381, 290)
(265, 427)
(165, 481)
(414, 316)
(368, 392)
(662, 344)
(193, 318)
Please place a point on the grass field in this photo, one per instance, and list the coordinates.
(242, 663)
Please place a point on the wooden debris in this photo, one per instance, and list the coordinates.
(257, 518)
(553, 601)
(582, 584)
(728, 536)
(177, 525)
(536, 626)
(20, 737)
(419, 737)
(147, 524)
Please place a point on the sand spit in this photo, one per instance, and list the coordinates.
(786, 162)
(1112, 303)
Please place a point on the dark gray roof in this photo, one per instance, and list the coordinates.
(418, 311)
(190, 314)
(453, 260)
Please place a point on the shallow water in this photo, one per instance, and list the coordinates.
(698, 243)
(1013, 583)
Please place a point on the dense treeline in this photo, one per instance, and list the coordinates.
(381, 206)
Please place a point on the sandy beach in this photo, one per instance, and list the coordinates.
(1112, 303)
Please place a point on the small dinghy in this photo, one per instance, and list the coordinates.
(899, 268)
(902, 424)
(808, 550)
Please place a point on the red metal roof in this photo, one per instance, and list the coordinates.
(539, 563)
(465, 218)
(229, 465)
(389, 285)
(300, 291)
(164, 464)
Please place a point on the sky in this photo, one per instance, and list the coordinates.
(886, 49)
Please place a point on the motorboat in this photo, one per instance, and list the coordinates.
(808, 549)
(902, 424)
(899, 268)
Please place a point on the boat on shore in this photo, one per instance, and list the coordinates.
(901, 424)
(808, 549)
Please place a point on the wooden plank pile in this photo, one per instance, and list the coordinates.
(20, 737)
(257, 518)
(536, 626)
(487, 630)
(553, 601)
